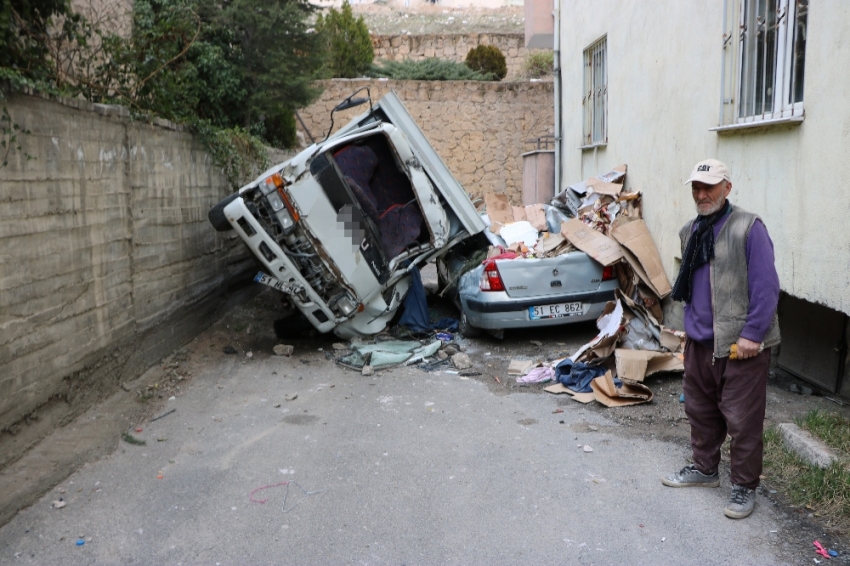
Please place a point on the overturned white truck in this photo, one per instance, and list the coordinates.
(339, 227)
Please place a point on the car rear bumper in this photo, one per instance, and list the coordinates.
(498, 311)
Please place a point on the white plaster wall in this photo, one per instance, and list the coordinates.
(664, 67)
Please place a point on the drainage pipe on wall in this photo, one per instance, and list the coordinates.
(556, 70)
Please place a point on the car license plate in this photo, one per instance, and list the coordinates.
(555, 311)
(273, 282)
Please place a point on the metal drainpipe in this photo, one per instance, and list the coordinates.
(557, 76)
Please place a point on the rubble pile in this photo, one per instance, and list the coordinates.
(600, 218)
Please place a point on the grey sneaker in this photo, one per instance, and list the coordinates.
(741, 502)
(689, 476)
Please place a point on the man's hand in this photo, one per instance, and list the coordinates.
(747, 348)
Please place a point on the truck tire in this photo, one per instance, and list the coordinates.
(466, 329)
(217, 217)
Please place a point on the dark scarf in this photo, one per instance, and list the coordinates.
(700, 250)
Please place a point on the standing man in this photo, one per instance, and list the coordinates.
(729, 284)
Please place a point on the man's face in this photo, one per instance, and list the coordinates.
(710, 198)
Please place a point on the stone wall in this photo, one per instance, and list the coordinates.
(451, 47)
(107, 259)
(480, 129)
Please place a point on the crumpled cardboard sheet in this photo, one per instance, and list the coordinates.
(600, 247)
(520, 367)
(630, 393)
(642, 254)
(561, 389)
(610, 325)
(636, 365)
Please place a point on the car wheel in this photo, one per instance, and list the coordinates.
(217, 217)
(466, 329)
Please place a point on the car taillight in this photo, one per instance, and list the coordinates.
(608, 273)
(490, 278)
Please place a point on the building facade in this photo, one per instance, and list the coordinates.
(757, 84)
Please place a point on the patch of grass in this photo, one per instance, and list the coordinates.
(822, 492)
(130, 439)
(539, 64)
(829, 427)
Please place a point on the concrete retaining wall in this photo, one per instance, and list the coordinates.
(451, 47)
(107, 260)
(478, 128)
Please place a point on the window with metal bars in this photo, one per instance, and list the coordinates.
(595, 101)
(764, 61)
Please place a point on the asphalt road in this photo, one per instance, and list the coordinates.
(403, 467)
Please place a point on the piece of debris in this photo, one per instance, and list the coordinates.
(461, 361)
(496, 377)
(340, 346)
(587, 448)
(162, 439)
(283, 350)
(558, 410)
(451, 350)
(249, 354)
(367, 370)
(542, 374)
(441, 355)
(469, 373)
(277, 405)
(593, 427)
(520, 367)
(536, 343)
(162, 415)
(291, 396)
(125, 387)
(58, 504)
(229, 350)
(130, 439)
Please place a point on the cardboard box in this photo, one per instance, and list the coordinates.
(636, 365)
(631, 393)
(598, 246)
(642, 255)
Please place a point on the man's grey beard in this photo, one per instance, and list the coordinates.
(713, 209)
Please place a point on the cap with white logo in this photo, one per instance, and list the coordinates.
(709, 172)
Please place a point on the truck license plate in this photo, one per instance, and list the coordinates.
(555, 311)
(273, 282)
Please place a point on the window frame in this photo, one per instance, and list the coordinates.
(740, 52)
(595, 94)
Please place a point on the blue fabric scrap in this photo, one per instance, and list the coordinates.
(415, 315)
(577, 376)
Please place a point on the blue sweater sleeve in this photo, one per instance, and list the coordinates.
(763, 283)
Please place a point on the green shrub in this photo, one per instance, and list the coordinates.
(431, 69)
(538, 64)
(487, 59)
(350, 52)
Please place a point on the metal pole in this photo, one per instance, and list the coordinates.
(556, 13)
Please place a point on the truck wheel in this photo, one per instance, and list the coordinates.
(217, 217)
(466, 329)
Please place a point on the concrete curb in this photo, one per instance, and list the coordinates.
(806, 446)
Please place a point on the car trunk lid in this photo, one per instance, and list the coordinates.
(574, 272)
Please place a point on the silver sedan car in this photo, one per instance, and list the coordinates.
(496, 294)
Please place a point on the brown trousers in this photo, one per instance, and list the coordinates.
(726, 396)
